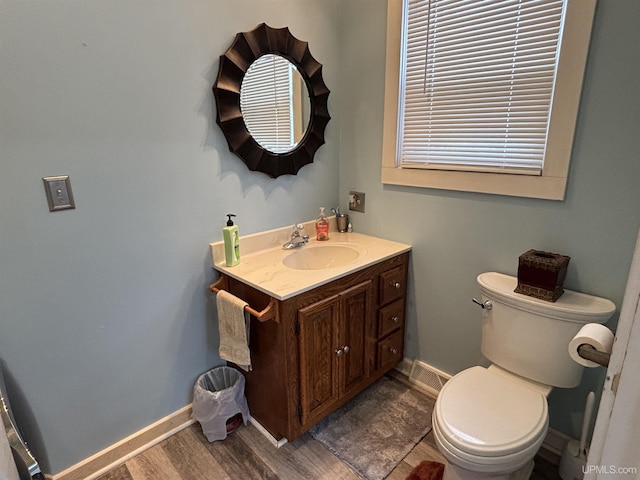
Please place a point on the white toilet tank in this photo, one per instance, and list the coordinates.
(530, 337)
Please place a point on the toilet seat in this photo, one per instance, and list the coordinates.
(485, 418)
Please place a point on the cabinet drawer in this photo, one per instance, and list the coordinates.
(390, 318)
(392, 284)
(390, 350)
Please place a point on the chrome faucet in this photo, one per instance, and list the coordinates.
(297, 240)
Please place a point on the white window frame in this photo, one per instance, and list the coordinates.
(551, 184)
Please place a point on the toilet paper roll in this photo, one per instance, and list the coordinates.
(594, 334)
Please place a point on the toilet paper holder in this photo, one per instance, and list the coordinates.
(589, 352)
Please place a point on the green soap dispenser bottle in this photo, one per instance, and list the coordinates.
(231, 242)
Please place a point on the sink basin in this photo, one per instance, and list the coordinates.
(318, 258)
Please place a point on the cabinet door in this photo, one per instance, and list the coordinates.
(319, 337)
(355, 317)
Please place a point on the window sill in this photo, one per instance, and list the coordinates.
(544, 187)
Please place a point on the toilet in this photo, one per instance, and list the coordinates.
(489, 422)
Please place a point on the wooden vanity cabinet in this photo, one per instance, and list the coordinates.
(325, 345)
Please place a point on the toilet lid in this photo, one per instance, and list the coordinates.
(486, 414)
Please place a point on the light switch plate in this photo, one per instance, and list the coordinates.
(59, 194)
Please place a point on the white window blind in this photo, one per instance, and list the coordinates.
(477, 81)
(265, 102)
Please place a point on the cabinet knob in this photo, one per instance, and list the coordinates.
(395, 319)
(339, 352)
(393, 350)
(346, 349)
(396, 285)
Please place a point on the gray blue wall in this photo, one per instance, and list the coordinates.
(456, 236)
(105, 321)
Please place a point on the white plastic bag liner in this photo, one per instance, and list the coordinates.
(218, 395)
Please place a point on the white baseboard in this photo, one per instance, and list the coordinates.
(553, 446)
(118, 453)
(404, 366)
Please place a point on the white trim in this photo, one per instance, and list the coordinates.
(404, 367)
(118, 453)
(615, 436)
(553, 445)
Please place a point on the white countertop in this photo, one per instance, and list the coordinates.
(261, 257)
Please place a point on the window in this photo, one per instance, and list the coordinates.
(267, 103)
(483, 95)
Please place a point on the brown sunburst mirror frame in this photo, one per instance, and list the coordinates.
(245, 49)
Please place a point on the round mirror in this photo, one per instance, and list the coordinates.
(241, 131)
(275, 103)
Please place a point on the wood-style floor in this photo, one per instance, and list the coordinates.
(246, 454)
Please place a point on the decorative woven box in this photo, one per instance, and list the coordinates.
(541, 274)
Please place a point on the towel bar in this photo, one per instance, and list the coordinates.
(267, 313)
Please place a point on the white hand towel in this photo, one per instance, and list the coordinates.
(233, 323)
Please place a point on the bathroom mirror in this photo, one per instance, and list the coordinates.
(275, 103)
(265, 70)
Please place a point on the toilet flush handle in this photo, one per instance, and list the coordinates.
(486, 305)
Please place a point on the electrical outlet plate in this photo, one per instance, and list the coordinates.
(59, 194)
(356, 201)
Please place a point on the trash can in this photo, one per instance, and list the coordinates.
(219, 403)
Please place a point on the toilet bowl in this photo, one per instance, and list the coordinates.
(490, 422)
(489, 426)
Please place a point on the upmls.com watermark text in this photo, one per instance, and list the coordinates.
(609, 470)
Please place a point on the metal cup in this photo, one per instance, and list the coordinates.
(343, 222)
